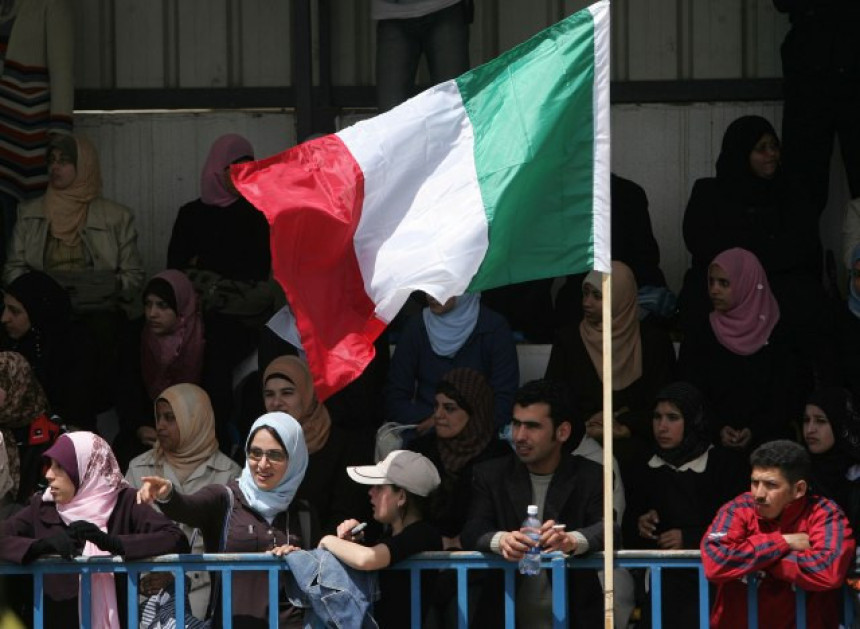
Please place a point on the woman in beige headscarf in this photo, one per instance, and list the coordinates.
(187, 454)
(642, 358)
(288, 387)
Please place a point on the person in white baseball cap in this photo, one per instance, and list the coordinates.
(400, 486)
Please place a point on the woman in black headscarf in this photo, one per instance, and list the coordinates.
(828, 413)
(37, 323)
(750, 204)
(674, 496)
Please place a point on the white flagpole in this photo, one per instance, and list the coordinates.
(609, 538)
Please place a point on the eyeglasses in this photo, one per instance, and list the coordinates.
(274, 456)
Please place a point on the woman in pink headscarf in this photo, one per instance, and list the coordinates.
(747, 373)
(87, 509)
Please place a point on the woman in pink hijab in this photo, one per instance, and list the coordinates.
(751, 380)
(88, 509)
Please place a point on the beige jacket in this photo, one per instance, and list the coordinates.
(109, 236)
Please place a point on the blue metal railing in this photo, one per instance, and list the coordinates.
(460, 562)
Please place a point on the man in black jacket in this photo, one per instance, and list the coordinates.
(566, 489)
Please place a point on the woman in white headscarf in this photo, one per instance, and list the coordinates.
(256, 507)
(187, 454)
(459, 333)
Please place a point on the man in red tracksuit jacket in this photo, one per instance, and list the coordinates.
(787, 537)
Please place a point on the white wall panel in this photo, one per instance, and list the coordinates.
(140, 43)
(263, 43)
(716, 38)
(203, 42)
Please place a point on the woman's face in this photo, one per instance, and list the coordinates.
(592, 304)
(279, 394)
(668, 425)
(764, 157)
(817, 431)
(166, 428)
(228, 181)
(450, 418)
(719, 288)
(438, 308)
(160, 317)
(61, 170)
(386, 502)
(15, 318)
(59, 484)
(267, 460)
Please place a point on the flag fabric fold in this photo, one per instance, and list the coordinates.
(497, 177)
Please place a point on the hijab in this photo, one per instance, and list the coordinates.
(50, 312)
(66, 210)
(476, 398)
(449, 332)
(178, 356)
(22, 400)
(97, 491)
(277, 500)
(695, 442)
(853, 296)
(626, 339)
(314, 418)
(225, 150)
(829, 468)
(745, 328)
(733, 164)
(195, 420)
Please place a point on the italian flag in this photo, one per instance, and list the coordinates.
(497, 177)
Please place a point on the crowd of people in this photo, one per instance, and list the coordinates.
(750, 374)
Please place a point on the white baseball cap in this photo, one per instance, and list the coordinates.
(411, 471)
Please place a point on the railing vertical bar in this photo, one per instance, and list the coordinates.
(848, 594)
(752, 601)
(132, 581)
(656, 596)
(704, 602)
(38, 599)
(86, 599)
(179, 595)
(559, 593)
(462, 597)
(510, 598)
(227, 597)
(800, 606)
(415, 585)
(274, 581)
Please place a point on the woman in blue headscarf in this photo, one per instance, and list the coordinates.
(255, 509)
(458, 333)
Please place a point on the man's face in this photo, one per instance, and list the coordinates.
(772, 491)
(537, 443)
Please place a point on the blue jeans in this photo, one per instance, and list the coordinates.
(442, 36)
(335, 594)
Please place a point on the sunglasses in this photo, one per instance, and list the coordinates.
(274, 456)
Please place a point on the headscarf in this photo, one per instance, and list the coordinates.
(277, 500)
(695, 442)
(50, 312)
(94, 501)
(626, 339)
(225, 150)
(195, 420)
(450, 331)
(733, 164)
(314, 418)
(22, 400)
(176, 357)
(853, 295)
(477, 396)
(66, 210)
(746, 326)
(829, 468)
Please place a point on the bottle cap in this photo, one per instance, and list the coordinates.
(532, 510)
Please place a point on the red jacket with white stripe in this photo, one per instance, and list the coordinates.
(739, 542)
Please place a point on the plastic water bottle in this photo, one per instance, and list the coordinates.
(530, 563)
